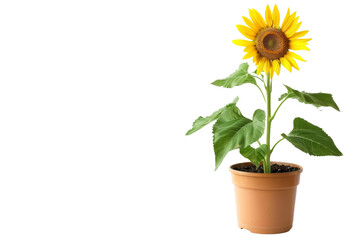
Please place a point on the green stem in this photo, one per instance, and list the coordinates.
(266, 165)
(261, 92)
(276, 144)
(279, 107)
(258, 78)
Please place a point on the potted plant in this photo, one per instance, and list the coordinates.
(265, 191)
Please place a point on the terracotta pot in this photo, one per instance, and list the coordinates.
(265, 202)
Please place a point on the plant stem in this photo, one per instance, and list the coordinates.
(261, 92)
(279, 107)
(276, 144)
(266, 164)
(258, 78)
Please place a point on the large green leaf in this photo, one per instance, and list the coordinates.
(231, 113)
(316, 99)
(203, 121)
(238, 78)
(256, 156)
(232, 130)
(311, 139)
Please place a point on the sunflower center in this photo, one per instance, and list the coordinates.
(272, 43)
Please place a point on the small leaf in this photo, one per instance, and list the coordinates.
(311, 139)
(316, 99)
(238, 78)
(201, 121)
(256, 156)
(233, 131)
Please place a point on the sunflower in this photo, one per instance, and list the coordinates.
(271, 43)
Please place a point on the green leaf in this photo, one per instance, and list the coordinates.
(284, 95)
(311, 139)
(256, 156)
(232, 130)
(201, 121)
(231, 113)
(238, 78)
(316, 99)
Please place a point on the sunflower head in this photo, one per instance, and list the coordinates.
(270, 43)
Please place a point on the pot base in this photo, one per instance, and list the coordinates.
(260, 230)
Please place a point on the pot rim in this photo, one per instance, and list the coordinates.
(266, 175)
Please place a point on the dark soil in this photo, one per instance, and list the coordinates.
(275, 168)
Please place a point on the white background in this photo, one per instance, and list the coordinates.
(96, 97)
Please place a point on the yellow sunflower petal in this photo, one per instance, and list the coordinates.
(291, 31)
(271, 72)
(251, 24)
(243, 43)
(252, 16)
(276, 16)
(246, 29)
(247, 32)
(260, 20)
(286, 18)
(300, 41)
(250, 54)
(292, 61)
(249, 49)
(298, 47)
(294, 22)
(268, 17)
(260, 66)
(298, 35)
(294, 55)
(267, 66)
(256, 59)
(285, 63)
(289, 22)
(276, 66)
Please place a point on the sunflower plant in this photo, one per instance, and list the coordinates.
(271, 47)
